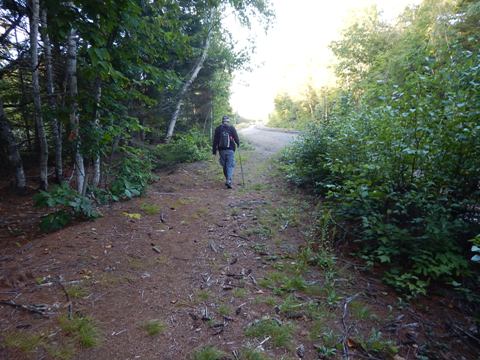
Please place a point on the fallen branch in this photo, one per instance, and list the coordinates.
(345, 326)
(263, 342)
(213, 247)
(465, 332)
(51, 283)
(40, 309)
(182, 259)
(239, 236)
(69, 302)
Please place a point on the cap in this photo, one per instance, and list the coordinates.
(225, 118)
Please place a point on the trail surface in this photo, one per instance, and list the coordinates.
(213, 267)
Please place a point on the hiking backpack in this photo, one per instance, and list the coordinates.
(224, 142)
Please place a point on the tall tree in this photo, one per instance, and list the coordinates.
(52, 102)
(7, 136)
(74, 114)
(42, 136)
(186, 86)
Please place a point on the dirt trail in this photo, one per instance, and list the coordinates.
(135, 270)
(206, 262)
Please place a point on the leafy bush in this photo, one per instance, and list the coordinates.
(133, 174)
(184, 148)
(399, 158)
(69, 204)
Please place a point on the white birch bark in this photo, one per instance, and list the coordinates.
(52, 102)
(74, 118)
(42, 137)
(196, 69)
(96, 120)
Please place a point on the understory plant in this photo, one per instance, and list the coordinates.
(68, 205)
(132, 173)
(183, 148)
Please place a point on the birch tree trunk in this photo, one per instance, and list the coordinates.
(24, 101)
(74, 118)
(42, 137)
(52, 102)
(96, 121)
(196, 69)
(14, 157)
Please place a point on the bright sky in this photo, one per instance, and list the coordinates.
(295, 50)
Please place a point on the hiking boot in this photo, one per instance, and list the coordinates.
(229, 185)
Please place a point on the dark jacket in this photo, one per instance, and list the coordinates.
(216, 139)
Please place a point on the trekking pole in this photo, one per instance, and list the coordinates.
(241, 166)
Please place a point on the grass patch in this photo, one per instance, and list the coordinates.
(240, 293)
(260, 249)
(360, 311)
(281, 283)
(83, 330)
(318, 311)
(76, 291)
(208, 353)
(261, 231)
(23, 341)
(281, 334)
(260, 187)
(331, 343)
(314, 290)
(267, 300)
(150, 209)
(203, 295)
(154, 327)
(224, 310)
(61, 352)
(28, 343)
(138, 263)
(290, 305)
(201, 212)
(377, 344)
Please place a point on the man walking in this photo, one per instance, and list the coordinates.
(224, 141)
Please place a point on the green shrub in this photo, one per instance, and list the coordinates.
(398, 159)
(69, 204)
(133, 173)
(183, 148)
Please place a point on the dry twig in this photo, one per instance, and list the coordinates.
(346, 328)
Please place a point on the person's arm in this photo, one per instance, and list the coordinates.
(235, 136)
(215, 142)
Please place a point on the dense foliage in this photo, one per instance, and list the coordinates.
(84, 81)
(89, 88)
(398, 158)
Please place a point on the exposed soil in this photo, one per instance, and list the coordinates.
(196, 265)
